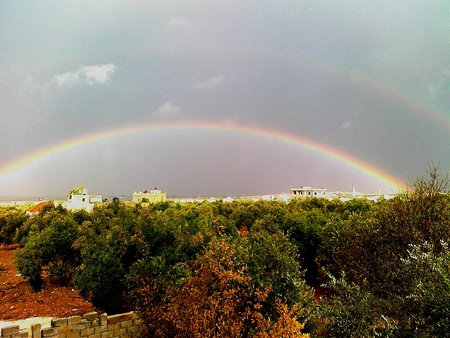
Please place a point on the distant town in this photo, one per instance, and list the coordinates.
(79, 198)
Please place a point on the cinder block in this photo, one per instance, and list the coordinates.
(126, 323)
(107, 334)
(103, 319)
(87, 332)
(36, 331)
(73, 334)
(95, 322)
(49, 332)
(74, 320)
(97, 335)
(91, 315)
(58, 322)
(119, 318)
(100, 329)
(10, 330)
(64, 329)
(82, 325)
(21, 334)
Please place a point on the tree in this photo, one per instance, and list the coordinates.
(392, 262)
(10, 224)
(49, 248)
(99, 277)
(219, 299)
(76, 191)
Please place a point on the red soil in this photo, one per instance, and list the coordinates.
(19, 301)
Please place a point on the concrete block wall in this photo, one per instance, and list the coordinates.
(91, 325)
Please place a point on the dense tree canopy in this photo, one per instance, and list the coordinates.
(253, 269)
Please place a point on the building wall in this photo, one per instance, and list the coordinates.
(91, 325)
(152, 196)
(305, 192)
(85, 201)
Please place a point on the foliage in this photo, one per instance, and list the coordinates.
(39, 221)
(76, 191)
(392, 262)
(10, 224)
(99, 276)
(353, 311)
(425, 311)
(247, 268)
(49, 248)
(106, 250)
(217, 300)
(271, 260)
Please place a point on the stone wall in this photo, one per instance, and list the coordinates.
(91, 325)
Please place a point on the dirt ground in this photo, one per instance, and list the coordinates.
(18, 301)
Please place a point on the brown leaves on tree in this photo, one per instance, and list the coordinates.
(218, 300)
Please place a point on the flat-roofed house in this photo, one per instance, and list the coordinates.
(308, 192)
(83, 200)
(152, 196)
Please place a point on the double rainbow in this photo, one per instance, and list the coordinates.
(364, 167)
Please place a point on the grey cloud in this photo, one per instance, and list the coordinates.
(88, 75)
(440, 85)
(208, 85)
(362, 76)
(346, 125)
(166, 111)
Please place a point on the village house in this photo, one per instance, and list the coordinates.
(152, 196)
(37, 207)
(82, 200)
(308, 192)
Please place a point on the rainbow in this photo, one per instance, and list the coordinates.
(375, 87)
(358, 80)
(366, 168)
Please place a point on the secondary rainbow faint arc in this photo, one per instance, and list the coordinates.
(72, 143)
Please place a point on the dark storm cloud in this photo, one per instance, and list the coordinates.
(368, 78)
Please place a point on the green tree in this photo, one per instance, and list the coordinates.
(76, 191)
(392, 263)
(10, 224)
(99, 277)
(218, 299)
(107, 250)
(49, 248)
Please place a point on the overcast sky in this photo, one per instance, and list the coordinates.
(368, 78)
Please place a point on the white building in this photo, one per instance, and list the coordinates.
(152, 196)
(307, 192)
(83, 200)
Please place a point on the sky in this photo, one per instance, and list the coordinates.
(221, 98)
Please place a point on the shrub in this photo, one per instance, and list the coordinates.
(49, 248)
(10, 224)
(218, 299)
(99, 278)
(392, 262)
